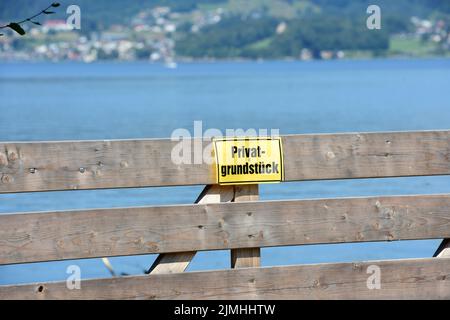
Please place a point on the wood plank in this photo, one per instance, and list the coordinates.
(245, 258)
(251, 257)
(127, 231)
(179, 261)
(70, 165)
(171, 262)
(400, 279)
(76, 165)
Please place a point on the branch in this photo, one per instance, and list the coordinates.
(16, 26)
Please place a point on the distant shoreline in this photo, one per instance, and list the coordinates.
(233, 60)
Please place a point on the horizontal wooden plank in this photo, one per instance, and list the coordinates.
(73, 165)
(366, 155)
(127, 231)
(399, 279)
(46, 166)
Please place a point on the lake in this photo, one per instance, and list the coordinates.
(67, 101)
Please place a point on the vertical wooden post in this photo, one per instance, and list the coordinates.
(443, 251)
(248, 257)
(178, 262)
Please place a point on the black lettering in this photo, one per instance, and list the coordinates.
(250, 168)
(224, 170)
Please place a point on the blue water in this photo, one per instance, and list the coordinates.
(68, 101)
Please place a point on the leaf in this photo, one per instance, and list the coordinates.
(55, 4)
(48, 12)
(36, 23)
(17, 28)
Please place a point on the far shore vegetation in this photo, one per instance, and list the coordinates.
(168, 30)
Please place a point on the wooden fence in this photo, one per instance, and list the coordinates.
(229, 217)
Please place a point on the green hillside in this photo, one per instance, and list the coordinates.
(109, 11)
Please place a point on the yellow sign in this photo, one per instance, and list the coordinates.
(249, 160)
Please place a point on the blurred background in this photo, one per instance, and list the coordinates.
(141, 69)
(160, 30)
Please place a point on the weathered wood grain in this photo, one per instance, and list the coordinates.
(171, 262)
(128, 231)
(443, 250)
(249, 257)
(366, 155)
(400, 279)
(72, 165)
(44, 166)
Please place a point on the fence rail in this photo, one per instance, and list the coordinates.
(402, 279)
(45, 236)
(74, 165)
